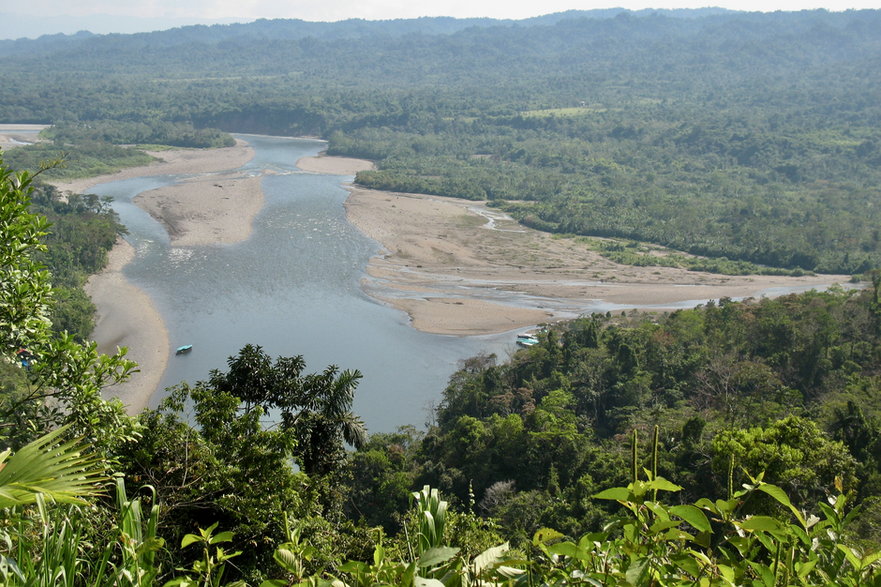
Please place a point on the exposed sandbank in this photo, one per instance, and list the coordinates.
(171, 162)
(128, 318)
(334, 165)
(16, 135)
(502, 276)
(207, 209)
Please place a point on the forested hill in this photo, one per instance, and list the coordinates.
(294, 29)
(750, 136)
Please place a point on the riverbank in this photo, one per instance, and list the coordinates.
(459, 267)
(126, 315)
(16, 135)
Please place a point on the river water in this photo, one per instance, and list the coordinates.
(293, 288)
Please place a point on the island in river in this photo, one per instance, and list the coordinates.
(455, 266)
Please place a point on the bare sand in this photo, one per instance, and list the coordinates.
(206, 209)
(172, 162)
(460, 267)
(215, 206)
(334, 165)
(16, 135)
(128, 318)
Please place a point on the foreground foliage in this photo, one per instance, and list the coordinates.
(223, 495)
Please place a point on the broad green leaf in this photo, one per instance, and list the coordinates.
(490, 556)
(638, 571)
(435, 556)
(662, 525)
(353, 567)
(286, 559)
(775, 492)
(189, 539)
(763, 572)
(727, 573)
(509, 572)
(616, 493)
(763, 523)
(221, 537)
(688, 564)
(694, 516)
(662, 484)
(871, 558)
(851, 556)
(804, 569)
(564, 549)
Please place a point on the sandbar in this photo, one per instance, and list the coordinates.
(461, 267)
(16, 135)
(171, 162)
(127, 317)
(206, 210)
(330, 165)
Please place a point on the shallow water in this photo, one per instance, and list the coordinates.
(292, 288)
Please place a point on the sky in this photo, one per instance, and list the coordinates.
(35, 17)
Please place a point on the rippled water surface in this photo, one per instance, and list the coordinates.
(292, 288)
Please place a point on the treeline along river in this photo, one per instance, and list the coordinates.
(294, 288)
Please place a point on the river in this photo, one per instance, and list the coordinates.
(293, 288)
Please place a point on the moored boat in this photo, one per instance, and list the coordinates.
(526, 340)
(183, 349)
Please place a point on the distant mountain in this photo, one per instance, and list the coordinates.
(24, 26)
(171, 32)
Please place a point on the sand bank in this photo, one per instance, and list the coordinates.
(334, 165)
(171, 162)
(16, 135)
(127, 317)
(459, 267)
(207, 209)
(213, 207)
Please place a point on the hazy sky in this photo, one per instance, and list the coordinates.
(383, 9)
(33, 18)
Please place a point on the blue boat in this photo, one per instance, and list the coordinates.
(526, 340)
(182, 350)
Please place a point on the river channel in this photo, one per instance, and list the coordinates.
(293, 288)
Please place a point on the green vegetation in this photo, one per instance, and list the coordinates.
(224, 496)
(581, 123)
(80, 160)
(730, 444)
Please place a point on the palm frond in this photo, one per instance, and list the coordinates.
(57, 470)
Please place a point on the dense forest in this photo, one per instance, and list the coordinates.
(748, 136)
(734, 443)
(737, 443)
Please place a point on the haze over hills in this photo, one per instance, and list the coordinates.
(22, 26)
(25, 26)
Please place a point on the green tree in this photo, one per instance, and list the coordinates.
(62, 379)
(315, 408)
(792, 452)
